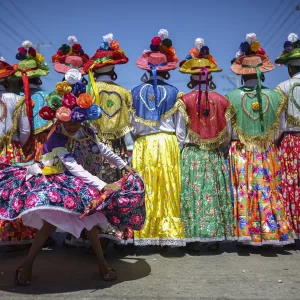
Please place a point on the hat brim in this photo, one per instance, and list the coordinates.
(87, 66)
(237, 66)
(192, 66)
(142, 63)
(285, 58)
(32, 74)
(62, 68)
(9, 70)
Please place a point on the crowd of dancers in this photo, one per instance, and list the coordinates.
(205, 167)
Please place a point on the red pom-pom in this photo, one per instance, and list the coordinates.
(22, 50)
(47, 113)
(76, 48)
(156, 41)
(261, 51)
(32, 52)
(182, 62)
(85, 56)
(59, 52)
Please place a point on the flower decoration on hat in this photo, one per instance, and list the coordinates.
(70, 101)
(199, 51)
(249, 47)
(72, 48)
(291, 51)
(162, 43)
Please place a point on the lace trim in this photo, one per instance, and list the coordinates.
(12, 243)
(262, 142)
(115, 134)
(179, 105)
(159, 242)
(247, 241)
(6, 139)
(208, 144)
(291, 120)
(216, 239)
(230, 112)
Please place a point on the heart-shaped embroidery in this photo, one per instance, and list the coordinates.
(254, 97)
(111, 103)
(291, 94)
(212, 113)
(151, 105)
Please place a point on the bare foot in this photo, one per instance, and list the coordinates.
(107, 273)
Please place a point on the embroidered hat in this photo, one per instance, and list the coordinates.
(291, 52)
(69, 57)
(251, 59)
(32, 63)
(70, 101)
(199, 58)
(109, 54)
(6, 69)
(162, 55)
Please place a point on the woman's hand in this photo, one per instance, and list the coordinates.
(114, 187)
(130, 170)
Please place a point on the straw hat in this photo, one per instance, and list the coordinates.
(6, 69)
(291, 53)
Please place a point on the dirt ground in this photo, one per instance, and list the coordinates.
(229, 273)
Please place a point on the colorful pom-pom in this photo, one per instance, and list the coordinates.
(69, 100)
(39, 58)
(20, 56)
(108, 38)
(47, 113)
(292, 37)
(63, 88)
(32, 52)
(255, 46)
(244, 47)
(296, 44)
(154, 47)
(163, 34)
(78, 88)
(84, 100)
(204, 51)
(26, 44)
(182, 62)
(194, 52)
(65, 49)
(189, 56)
(79, 114)
(76, 48)
(199, 43)
(114, 45)
(104, 46)
(261, 51)
(72, 40)
(22, 50)
(251, 38)
(156, 41)
(239, 53)
(54, 101)
(73, 76)
(167, 43)
(63, 114)
(94, 112)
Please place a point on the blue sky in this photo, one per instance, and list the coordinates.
(222, 23)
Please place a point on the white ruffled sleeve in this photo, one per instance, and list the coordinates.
(78, 171)
(180, 128)
(23, 126)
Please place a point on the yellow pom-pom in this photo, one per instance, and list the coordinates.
(255, 46)
(63, 88)
(39, 58)
(255, 106)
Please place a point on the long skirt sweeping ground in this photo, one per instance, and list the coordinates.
(206, 206)
(290, 166)
(157, 158)
(259, 214)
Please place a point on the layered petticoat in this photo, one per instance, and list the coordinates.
(259, 214)
(206, 206)
(290, 181)
(61, 199)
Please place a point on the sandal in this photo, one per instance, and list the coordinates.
(109, 275)
(17, 279)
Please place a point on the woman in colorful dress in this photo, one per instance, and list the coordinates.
(290, 145)
(29, 70)
(14, 133)
(54, 193)
(259, 215)
(159, 133)
(114, 101)
(206, 207)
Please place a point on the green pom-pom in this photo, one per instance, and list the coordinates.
(65, 49)
(167, 43)
(296, 44)
(54, 100)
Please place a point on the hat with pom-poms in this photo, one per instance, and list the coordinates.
(107, 56)
(251, 57)
(31, 62)
(198, 58)
(162, 55)
(70, 101)
(6, 69)
(291, 52)
(70, 56)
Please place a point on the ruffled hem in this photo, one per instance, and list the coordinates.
(247, 241)
(160, 242)
(15, 243)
